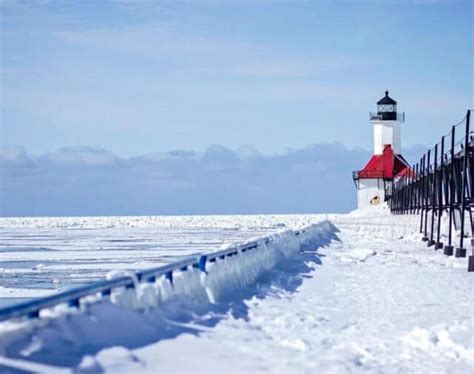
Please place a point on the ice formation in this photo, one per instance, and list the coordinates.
(223, 276)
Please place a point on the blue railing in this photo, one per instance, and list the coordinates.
(72, 297)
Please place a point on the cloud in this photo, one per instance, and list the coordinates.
(90, 181)
(83, 156)
(14, 156)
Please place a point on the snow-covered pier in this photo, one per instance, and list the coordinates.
(362, 294)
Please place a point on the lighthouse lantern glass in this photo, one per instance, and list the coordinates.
(386, 108)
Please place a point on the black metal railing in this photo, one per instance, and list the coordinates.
(441, 184)
(387, 116)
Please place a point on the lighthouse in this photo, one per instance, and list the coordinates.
(387, 162)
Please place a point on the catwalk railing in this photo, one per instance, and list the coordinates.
(72, 297)
(439, 188)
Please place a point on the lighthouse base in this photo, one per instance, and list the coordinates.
(370, 192)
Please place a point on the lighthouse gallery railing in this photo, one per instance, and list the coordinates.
(398, 116)
(441, 184)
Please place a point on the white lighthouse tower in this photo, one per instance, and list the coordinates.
(387, 163)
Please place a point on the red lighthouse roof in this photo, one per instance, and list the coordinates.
(386, 166)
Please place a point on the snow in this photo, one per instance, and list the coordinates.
(368, 296)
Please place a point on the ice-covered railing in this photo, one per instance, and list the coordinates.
(257, 255)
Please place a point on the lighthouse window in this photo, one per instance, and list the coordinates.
(386, 108)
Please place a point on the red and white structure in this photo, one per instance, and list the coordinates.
(387, 163)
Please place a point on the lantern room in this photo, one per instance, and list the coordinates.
(387, 108)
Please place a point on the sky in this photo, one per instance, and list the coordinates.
(134, 78)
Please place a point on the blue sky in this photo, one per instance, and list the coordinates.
(141, 76)
(132, 79)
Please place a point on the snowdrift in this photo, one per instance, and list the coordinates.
(152, 311)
